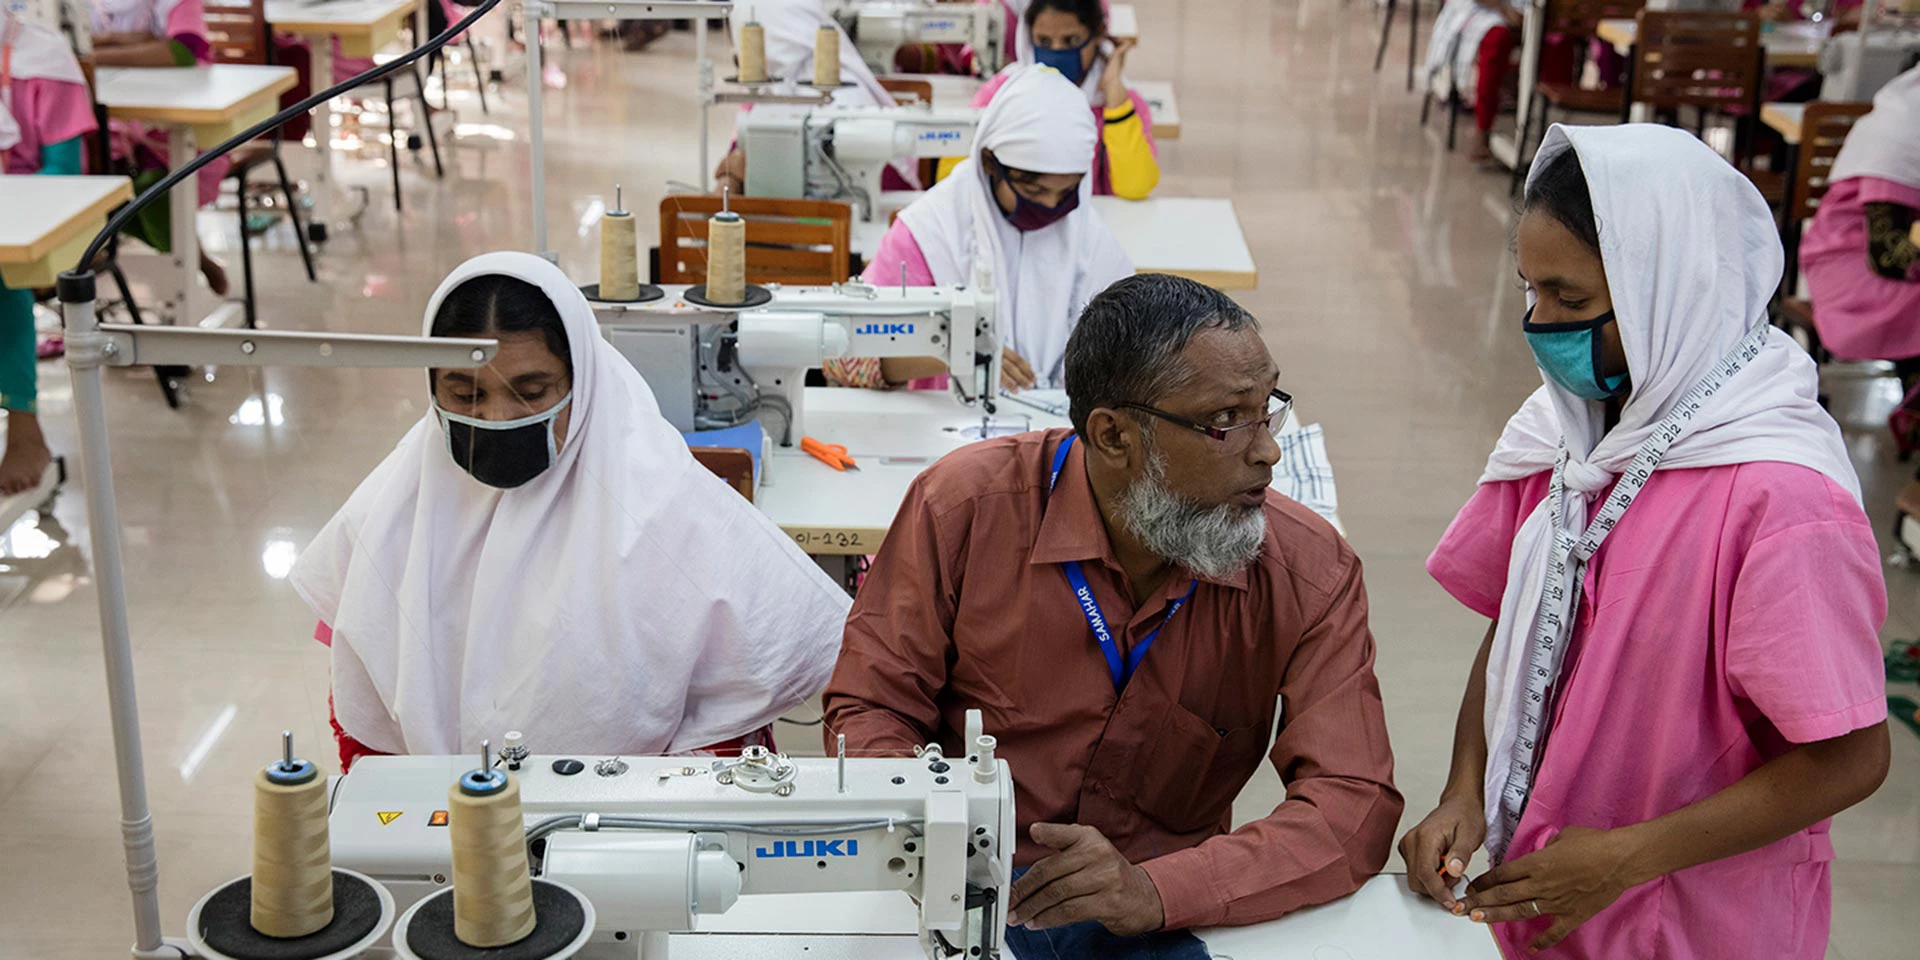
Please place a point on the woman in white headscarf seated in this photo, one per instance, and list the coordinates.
(791, 27)
(542, 553)
(1682, 681)
(1018, 208)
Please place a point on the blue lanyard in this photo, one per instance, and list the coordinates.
(1122, 667)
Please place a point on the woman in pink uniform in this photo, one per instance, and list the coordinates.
(1682, 682)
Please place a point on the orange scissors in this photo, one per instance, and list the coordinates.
(832, 454)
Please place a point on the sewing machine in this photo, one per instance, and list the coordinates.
(1855, 65)
(657, 843)
(840, 153)
(712, 368)
(881, 27)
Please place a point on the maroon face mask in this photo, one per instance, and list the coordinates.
(1027, 215)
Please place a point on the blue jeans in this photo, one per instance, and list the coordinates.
(1091, 941)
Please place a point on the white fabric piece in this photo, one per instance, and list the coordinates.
(1886, 142)
(1038, 122)
(132, 16)
(1456, 37)
(35, 53)
(1692, 257)
(624, 601)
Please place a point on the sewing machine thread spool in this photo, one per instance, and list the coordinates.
(726, 258)
(492, 892)
(619, 253)
(753, 52)
(826, 56)
(292, 893)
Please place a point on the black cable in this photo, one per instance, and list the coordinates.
(167, 183)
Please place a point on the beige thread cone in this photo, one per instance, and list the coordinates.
(619, 259)
(826, 56)
(292, 863)
(726, 258)
(492, 892)
(753, 53)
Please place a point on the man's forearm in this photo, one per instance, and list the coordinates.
(1786, 795)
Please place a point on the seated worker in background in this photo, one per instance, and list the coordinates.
(542, 553)
(44, 111)
(1477, 39)
(1071, 37)
(1015, 562)
(1018, 200)
(156, 33)
(790, 27)
(1862, 268)
(1683, 678)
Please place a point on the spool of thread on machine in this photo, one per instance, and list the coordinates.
(619, 253)
(292, 893)
(826, 56)
(753, 51)
(492, 891)
(726, 257)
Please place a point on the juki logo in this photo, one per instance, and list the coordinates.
(940, 136)
(802, 849)
(885, 330)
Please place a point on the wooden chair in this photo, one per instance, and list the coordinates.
(237, 32)
(1707, 60)
(1578, 20)
(788, 241)
(731, 464)
(1822, 130)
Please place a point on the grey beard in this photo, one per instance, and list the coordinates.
(1213, 542)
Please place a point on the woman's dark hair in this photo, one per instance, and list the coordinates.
(495, 303)
(1559, 190)
(1091, 13)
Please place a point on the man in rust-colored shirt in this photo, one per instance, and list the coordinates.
(1149, 522)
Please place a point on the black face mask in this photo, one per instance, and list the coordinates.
(507, 453)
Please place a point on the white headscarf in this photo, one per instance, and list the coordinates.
(39, 53)
(624, 601)
(1886, 142)
(1692, 257)
(1039, 123)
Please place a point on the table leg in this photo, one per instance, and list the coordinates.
(322, 71)
(184, 204)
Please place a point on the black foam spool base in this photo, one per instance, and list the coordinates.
(557, 921)
(226, 923)
(756, 297)
(648, 294)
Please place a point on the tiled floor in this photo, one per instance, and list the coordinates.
(1386, 289)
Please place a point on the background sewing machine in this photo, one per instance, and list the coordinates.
(1855, 65)
(879, 28)
(718, 368)
(657, 843)
(840, 153)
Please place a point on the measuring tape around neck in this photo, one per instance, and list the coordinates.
(1566, 565)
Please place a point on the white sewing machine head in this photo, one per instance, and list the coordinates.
(881, 27)
(656, 843)
(840, 153)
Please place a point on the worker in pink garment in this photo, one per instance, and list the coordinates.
(156, 33)
(1861, 262)
(1016, 208)
(1683, 681)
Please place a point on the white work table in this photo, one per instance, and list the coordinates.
(1381, 921)
(201, 106)
(363, 27)
(1194, 237)
(49, 222)
(1162, 107)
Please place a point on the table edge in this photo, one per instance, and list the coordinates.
(122, 192)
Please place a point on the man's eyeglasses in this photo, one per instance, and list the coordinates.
(1279, 404)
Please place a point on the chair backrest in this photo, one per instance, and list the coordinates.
(1581, 18)
(1822, 130)
(788, 241)
(731, 464)
(1697, 58)
(237, 31)
(907, 92)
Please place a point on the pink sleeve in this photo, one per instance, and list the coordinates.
(323, 633)
(187, 24)
(1471, 560)
(984, 95)
(1144, 111)
(58, 110)
(1878, 190)
(1803, 634)
(897, 249)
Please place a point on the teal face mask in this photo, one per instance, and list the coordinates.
(1569, 354)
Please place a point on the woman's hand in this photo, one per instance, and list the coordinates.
(1015, 373)
(1579, 873)
(1437, 850)
(1113, 83)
